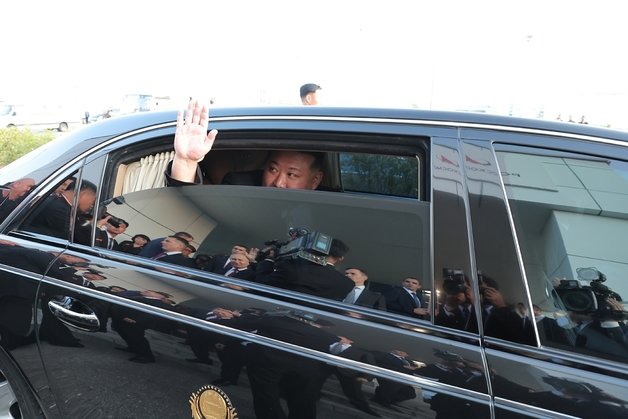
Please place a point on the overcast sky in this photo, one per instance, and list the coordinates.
(505, 56)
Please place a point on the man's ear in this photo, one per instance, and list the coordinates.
(317, 179)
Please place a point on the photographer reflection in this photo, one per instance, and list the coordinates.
(113, 227)
(306, 263)
(597, 315)
(498, 318)
(457, 311)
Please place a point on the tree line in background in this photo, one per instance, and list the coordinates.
(15, 143)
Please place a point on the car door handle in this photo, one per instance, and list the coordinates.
(74, 313)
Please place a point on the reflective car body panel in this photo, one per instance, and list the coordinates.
(483, 212)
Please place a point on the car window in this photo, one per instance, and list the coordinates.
(390, 175)
(571, 216)
(320, 243)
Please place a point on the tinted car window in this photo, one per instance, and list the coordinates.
(390, 175)
(387, 238)
(570, 213)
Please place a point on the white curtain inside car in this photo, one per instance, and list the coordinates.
(148, 173)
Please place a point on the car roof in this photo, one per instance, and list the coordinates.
(124, 123)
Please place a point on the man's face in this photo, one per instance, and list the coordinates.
(239, 261)
(72, 260)
(170, 244)
(313, 98)
(293, 170)
(140, 241)
(93, 277)
(86, 200)
(238, 249)
(356, 276)
(411, 284)
(22, 186)
(114, 231)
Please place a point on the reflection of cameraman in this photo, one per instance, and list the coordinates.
(306, 276)
(596, 313)
(456, 311)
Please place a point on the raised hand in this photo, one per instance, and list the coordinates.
(191, 141)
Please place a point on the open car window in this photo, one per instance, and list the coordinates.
(384, 225)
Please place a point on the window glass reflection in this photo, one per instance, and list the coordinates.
(571, 216)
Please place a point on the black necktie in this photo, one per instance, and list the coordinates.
(417, 302)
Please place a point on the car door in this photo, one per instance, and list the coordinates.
(548, 241)
(128, 335)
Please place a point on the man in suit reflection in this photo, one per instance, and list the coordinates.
(361, 295)
(221, 263)
(131, 324)
(172, 247)
(407, 299)
(306, 276)
(12, 194)
(454, 370)
(153, 247)
(107, 237)
(274, 373)
(240, 268)
(54, 215)
(390, 392)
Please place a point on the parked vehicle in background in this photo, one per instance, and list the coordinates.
(38, 116)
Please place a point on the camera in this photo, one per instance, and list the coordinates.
(454, 281)
(589, 299)
(115, 221)
(310, 245)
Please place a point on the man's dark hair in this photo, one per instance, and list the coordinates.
(181, 239)
(144, 236)
(192, 248)
(357, 269)
(309, 88)
(182, 233)
(338, 248)
(317, 163)
(85, 185)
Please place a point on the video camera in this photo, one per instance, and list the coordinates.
(310, 245)
(114, 221)
(454, 281)
(589, 299)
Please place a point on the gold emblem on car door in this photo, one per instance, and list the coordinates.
(210, 402)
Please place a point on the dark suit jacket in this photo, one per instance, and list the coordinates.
(371, 299)
(399, 301)
(306, 277)
(251, 178)
(178, 259)
(217, 264)
(247, 274)
(52, 218)
(102, 240)
(152, 248)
